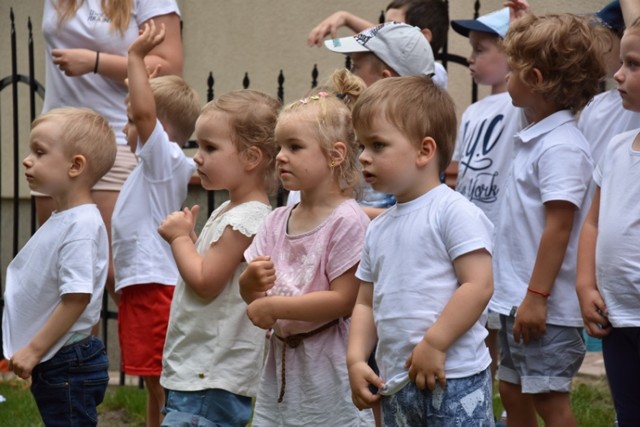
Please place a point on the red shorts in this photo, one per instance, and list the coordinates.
(143, 315)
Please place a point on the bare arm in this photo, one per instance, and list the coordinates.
(312, 307)
(530, 322)
(143, 104)
(329, 27)
(167, 57)
(630, 11)
(64, 316)
(362, 341)
(257, 279)
(592, 305)
(206, 275)
(475, 275)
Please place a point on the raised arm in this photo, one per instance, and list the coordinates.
(143, 105)
(329, 27)
(205, 274)
(64, 316)
(167, 57)
(630, 11)
(475, 275)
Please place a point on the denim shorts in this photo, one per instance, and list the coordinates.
(69, 387)
(543, 365)
(464, 402)
(206, 408)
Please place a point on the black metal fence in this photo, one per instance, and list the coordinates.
(36, 89)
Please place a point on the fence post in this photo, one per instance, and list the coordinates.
(314, 76)
(211, 199)
(245, 81)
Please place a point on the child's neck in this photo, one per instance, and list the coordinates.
(499, 88)
(72, 199)
(540, 110)
(315, 206)
(249, 191)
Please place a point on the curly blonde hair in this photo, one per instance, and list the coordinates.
(330, 106)
(566, 50)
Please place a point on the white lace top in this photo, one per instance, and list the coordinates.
(212, 344)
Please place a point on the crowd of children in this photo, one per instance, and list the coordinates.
(313, 314)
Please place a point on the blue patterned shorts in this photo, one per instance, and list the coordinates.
(464, 402)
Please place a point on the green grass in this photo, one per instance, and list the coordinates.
(126, 406)
(590, 401)
(122, 406)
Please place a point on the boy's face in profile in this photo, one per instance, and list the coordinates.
(628, 76)
(47, 165)
(365, 66)
(520, 92)
(388, 159)
(487, 62)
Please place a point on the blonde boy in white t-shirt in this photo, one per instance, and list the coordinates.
(160, 110)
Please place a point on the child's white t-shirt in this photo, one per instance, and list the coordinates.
(154, 189)
(617, 254)
(603, 118)
(484, 150)
(551, 163)
(68, 254)
(408, 256)
(90, 29)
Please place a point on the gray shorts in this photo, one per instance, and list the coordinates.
(544, 365)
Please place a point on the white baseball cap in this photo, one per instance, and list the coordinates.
(496, 23)
(402, 47)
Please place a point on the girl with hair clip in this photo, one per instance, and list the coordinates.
(301, 277)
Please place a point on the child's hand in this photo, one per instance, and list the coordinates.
(149, 38)
(360, 376)
(260, 275)
(260, 313)
(23, 362)
(531, 318)
(179, 224)
(594, 313)
(426, 366)
(517, 9)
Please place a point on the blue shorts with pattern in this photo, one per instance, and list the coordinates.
(464, 402)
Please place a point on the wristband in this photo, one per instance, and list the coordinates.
(95, 67)
(542, 294)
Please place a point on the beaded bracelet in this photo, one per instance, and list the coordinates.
(542, 294)
(95, 67)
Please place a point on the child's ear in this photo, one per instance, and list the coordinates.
(252, 157)
(78, 165)
(427, 34)
(337, 153)
(427, 151)
(536, 76)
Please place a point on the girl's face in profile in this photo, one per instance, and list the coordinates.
(218, 161)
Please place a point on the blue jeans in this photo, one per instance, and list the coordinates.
(464, 402)
(206, 408)
(69, 387)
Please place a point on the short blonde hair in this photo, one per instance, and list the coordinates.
(85, 132)
(329, 107)
(634, 27)
(177, 104)
(416, 106)
(568, 52)
(253, 117)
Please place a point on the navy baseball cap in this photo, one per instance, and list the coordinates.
(496, 23)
